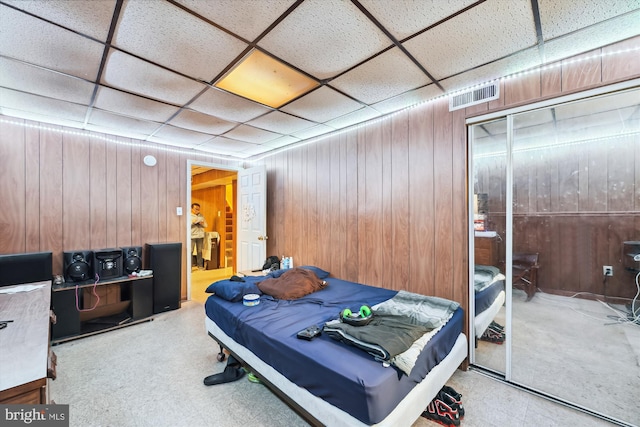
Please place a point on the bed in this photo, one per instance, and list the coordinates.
(326, 380)
(489, 296)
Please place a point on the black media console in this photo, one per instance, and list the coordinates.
(86, 308)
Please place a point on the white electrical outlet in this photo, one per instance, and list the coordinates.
(607, 270)
(179, 210)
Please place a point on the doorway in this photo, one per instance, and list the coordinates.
(214, 189)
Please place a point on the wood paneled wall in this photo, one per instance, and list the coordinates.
(64, 192)
(575, 206)
(383, 204)
(576, 222)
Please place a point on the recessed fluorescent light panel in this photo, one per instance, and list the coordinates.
(263, 79)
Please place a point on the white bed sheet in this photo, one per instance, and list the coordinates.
(483, 320)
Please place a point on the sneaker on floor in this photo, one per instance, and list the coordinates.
(492, 336)
(451, 392)
(453, 402)
(441, 413)
(496, 327)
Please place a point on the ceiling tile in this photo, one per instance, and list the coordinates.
(321, 105)
(225, 145)
(39, 105)
(194, 120)
(227, 106)
(247, 19)
(408, 99)
(385, 76)
(325, 37)
(562, 17)
(597, 35)
(281, 123)
(255, 150)
(31, 40)
(107, 119)
(359, 116)
(313, 132)
(521, 61)
(92, 18)
(39, 81)
(133, 105)
(406, 17)
(485, 33)
(250, 134)
(169, 36)
(178, 136)
(281, 142)
(126, 72)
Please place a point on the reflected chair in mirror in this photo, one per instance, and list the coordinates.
(525, 273)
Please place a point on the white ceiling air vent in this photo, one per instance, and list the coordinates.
(488, 92)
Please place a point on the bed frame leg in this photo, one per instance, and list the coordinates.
(221, 356)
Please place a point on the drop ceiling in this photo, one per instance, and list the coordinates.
(147, 69)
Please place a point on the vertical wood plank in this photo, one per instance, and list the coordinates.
(443, 183)
(351, 204)
(13, 190)
(161, 166)
(124, 186)
(98, 184)
(111, 194)
(522, 88)
(385, 241)
(51, 180)
(149, 215)
(422, 190)
(323, 200)
(76, 192)
(579, 71)
(400, 197)
(310, 253)
(372, 243)
(551, 80)
(460, 208)
(32, 189)
(620, 66)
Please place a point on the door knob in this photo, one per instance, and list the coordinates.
(263, 237)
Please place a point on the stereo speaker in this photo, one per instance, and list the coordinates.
(165, 260)
(78, 266)
(132, 259)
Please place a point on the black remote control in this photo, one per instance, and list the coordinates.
(309, 333)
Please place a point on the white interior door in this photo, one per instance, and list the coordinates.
(252, 218)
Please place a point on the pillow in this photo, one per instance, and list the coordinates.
(231, 290)
(292, 284)
(319, 272)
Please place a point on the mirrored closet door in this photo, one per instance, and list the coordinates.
(489, 207)
(561, 187)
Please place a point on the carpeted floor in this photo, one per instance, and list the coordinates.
(574, 349)
(151, 374)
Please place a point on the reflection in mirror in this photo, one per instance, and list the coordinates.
(489, 171)
(575, 202)
(573, 173)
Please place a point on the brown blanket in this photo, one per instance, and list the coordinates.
(292, 284)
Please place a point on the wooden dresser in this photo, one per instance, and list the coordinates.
(25, 344)
(486, 250)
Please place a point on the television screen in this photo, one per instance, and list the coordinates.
(30, 267)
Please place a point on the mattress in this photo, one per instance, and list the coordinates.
(487, 296)
(345, 377)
